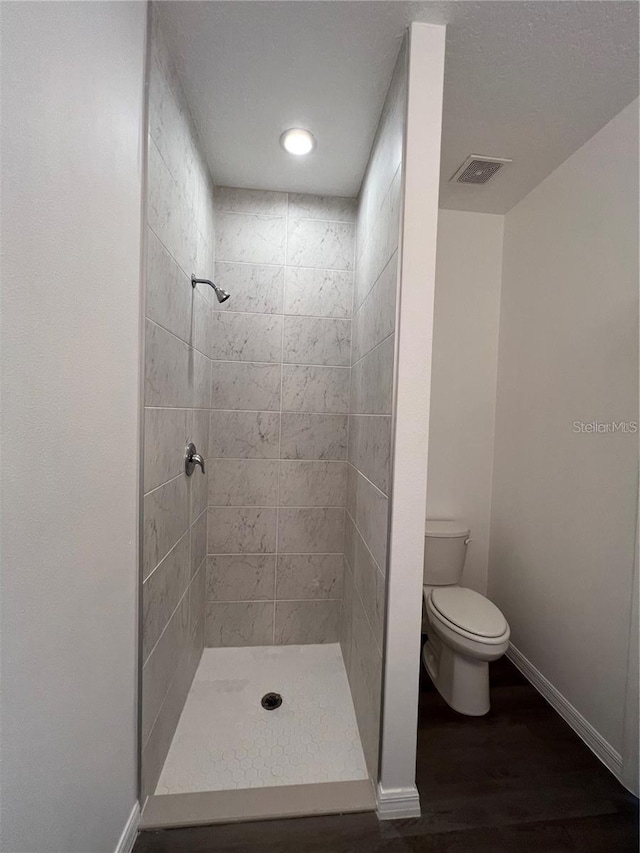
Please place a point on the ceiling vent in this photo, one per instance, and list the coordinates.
(478, 169)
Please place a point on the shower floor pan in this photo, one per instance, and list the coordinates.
(226, 741)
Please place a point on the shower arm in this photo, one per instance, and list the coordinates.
(195, 281)
(220, 293)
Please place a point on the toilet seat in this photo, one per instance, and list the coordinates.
(468, 614)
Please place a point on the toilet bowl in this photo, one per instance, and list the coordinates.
(465, 630)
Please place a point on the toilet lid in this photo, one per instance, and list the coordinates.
(469, 610)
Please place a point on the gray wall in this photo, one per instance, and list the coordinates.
(177, 368)
(278, 438)
(71, 198)
(370, 411)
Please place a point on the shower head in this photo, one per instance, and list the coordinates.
(220, 293)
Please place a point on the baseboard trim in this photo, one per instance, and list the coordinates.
(397, 803)
(603, 750)
(128, 837)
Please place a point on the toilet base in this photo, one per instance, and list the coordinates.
(462, 682)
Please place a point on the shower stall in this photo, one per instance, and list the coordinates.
(270, 354)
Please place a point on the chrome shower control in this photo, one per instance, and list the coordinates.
(191, 459)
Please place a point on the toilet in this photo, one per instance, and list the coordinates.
(465, 629)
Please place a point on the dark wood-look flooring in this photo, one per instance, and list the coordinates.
(516, 781)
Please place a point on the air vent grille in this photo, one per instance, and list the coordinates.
(478, 170)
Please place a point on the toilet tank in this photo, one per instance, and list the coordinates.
(445, 549)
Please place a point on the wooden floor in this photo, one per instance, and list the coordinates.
(516, 781)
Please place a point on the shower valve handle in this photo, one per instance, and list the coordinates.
(191, 459)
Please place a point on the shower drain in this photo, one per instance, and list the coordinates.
(271, 701)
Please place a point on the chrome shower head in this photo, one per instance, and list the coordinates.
(220, 293)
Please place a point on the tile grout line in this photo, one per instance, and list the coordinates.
(222, 312)
(282, 265)
(275, 574)
(285, 216)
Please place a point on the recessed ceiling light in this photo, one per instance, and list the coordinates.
(298, 141)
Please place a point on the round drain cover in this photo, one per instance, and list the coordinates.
(271, 701)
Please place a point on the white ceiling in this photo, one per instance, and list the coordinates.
(530, 79)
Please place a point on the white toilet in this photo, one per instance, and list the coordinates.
(466, 630)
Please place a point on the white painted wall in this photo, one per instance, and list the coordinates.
(397, 793)
(72, 131)
(565, 504)
(463, 378)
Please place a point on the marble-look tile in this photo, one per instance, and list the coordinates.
(318, 530)
(350, 533)
(198, 542)
(372, 520)
(166, 519)
(169, 294)
(168, 124)
(346, 616)
(394, 203)
(375, 319)
(245, 623)
(198, 490)
(165, 434)
(246, 238)
(245, 385)
(246, 337)
(205, 265)
(244, 577)
(176, 375)
(201, 323)
(351, 502)
(158, 740)
(306, 622)
(318, 436)
(372, 381)
(319, 293)
(161, 666)
(333, 208)
(166, 369)
(370, 583)
(253, 287)
(197, 593)
(315, 389)
(370, 447)
(245, 435)
(313, 483)
(241, 530)
(365, 680)
(199, 370)
(168, 213)
(162, 591)
(308, 576)
(317, 340)
(198, 430)
(243, 482)
(262, 202)
(319, 244)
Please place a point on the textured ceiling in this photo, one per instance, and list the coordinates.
(530, 80)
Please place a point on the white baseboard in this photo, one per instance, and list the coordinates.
(130, 831)
(611, 759)
(397, 803)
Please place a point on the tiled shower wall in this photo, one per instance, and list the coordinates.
(180, 240)
(281, 349)
(370, 416)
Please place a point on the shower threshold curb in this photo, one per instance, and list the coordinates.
(250, 804)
